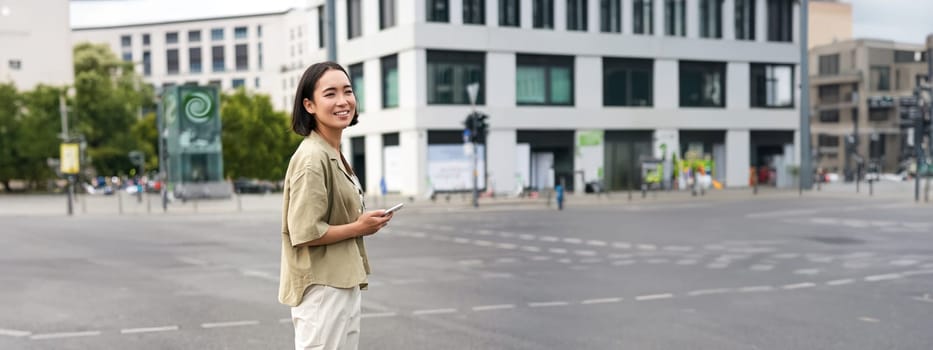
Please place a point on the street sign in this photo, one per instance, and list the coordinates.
(70, 158)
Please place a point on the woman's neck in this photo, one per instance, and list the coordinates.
(332, 136)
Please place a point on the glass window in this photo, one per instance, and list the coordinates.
(171, 61)
(386, 14)
(242, 57)
(389, 81)
(217, 34)
(829, 116)
(829, 64)
(128, 56)
(256, 81)
(237, 83)
(438, 11)
(610, 16)
(544, 80)
(449, 73)
(642, 22)
(145, 39)
(171, 38)
(126, 41)
(239, 33)
(358, 82)
(829, 94)
(194, 36)
(217, 59)
(827, 140)
(675, 18)
(194, 60)
(702, 84)
(474, 11)
(745, 19)
(320, 26)
(576, 15)
(881, 78)
(215, 83)
(780, 19)
(147, 63)
(878, 115)
(628, 82)
(772, 85)
(259, 31)
(509, 13)
(542, 14)
(711, 19)
(354, 19)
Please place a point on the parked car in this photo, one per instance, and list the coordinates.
(245, 185)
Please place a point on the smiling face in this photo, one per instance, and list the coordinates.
(333, 104)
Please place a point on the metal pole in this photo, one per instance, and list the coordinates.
(71, 190)
(918, 148)
(331, 37)
(475, 175)
(63, 112)
(930, 85)
(806, 176)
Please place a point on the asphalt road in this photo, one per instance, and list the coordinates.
(776, 272)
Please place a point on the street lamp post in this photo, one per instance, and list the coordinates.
(806, 176)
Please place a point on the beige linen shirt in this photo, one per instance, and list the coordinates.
(319, 192)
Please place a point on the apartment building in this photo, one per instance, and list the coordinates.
(35, 52)
(855, 87)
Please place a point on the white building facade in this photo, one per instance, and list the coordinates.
(579, 90)
(35, 52)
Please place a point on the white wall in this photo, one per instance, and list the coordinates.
(589, 158)
(373, 144)
(414, 147)
(36, 34)
(501, 160)
(666, 84)
(738, 86)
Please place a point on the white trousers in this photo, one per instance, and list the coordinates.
(328, 318)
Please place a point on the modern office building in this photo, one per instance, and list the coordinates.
(855, 87)
(575, 90)
(35, 52)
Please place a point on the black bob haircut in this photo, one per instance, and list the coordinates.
(302, 121)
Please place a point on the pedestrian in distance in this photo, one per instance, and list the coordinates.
(560, 195)
(324, 263)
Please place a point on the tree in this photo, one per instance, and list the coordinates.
(257, 139)
(10, 106)
(146, 134)
(109, 98)
(38, 134)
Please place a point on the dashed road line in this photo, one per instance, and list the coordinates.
(654, 297)
(378, 314)
(148, 329)
(601, 301)
(709, 291)
(798, 286)
(14, 333)
(869, 319)
(433, 312)
(756, 289)
(884, 277)
(64, 335)
(493, 307)
(840, 282)
(548, 304)
(229, 324)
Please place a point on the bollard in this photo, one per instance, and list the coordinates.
(195, 205)
(644, 191)
(239, 203)
(120, 202)
(871, 188)
(148, 204)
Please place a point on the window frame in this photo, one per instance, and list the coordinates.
(688, 66)
(548, 63)
(763, 67)
(387, 62)
(461, 58)
(628, 65)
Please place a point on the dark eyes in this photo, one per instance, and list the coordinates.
(331, 94)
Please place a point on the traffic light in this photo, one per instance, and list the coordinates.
(476, 124)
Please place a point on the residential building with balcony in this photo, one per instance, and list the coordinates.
(855, 87)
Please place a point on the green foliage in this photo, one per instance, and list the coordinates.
(146, 134)
(10, 107)
(257, 140)
(109, 97)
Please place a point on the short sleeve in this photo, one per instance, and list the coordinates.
(308, 206)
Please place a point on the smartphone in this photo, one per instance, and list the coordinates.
(393, 209)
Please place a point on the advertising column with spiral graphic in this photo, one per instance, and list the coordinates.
(194, 152)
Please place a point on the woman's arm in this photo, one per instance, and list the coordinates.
(368, 223)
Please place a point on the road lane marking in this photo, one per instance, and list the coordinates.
(378, 314)
(889, 276)
(529, 248)
(647, 247)
(192, 261)
(869, 319)
(148, 329)
(601, 301)
(573, 240)
(461, 240)
(14, 333)
(708, 291)
(548, 238)
(482, 243)
(622, 245)
(686, 262)
(657, 261)
(506, 246)
(506, 260)
(64, 335)
(289, 320)
(596, 243)
(493, 307)
(547, 304)
(557, 250)
(654, 297)
(840, 282)
(798, 286)
(433, 312)
(762, 267)
(807, 271)
(229, 324)
(756, 289)
(585, 252)
(526, 237)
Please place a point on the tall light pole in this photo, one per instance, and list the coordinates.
(806, 166)
(473, 91)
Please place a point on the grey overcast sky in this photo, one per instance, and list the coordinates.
(900, 20)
